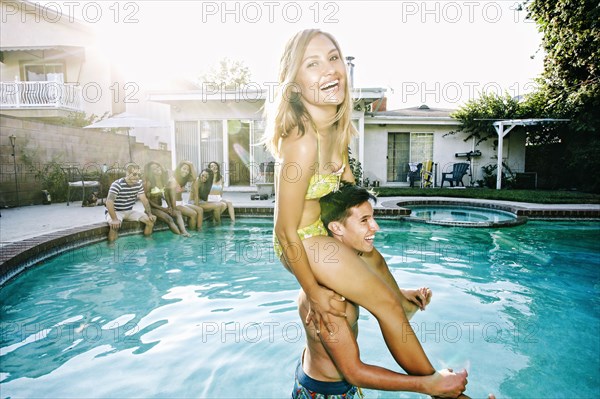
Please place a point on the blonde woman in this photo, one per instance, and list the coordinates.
(308, 134)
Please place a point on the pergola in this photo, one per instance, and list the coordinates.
(503, 127)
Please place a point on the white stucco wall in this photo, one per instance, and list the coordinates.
(444, 149)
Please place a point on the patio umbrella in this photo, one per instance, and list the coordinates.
(125, 121)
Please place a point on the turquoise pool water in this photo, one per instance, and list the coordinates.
(215, 316)
(464, 214)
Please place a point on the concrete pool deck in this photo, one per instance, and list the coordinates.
(30, 234)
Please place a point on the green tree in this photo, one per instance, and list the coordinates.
(569, 88)
(228, 74)
(571, 39)
(477, 115)
(570, 84)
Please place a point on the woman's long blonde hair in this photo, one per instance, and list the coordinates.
(288, 111)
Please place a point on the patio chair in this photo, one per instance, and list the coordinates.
(427, 174)
(415, 172)
(459, 170)
(77, 178)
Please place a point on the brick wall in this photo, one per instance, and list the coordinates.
(43, 143)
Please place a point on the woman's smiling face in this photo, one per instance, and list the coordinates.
(156, 169)
(321, 78)
(185, 170)
(204, 176)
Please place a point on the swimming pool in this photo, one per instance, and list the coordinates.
(465, 216)
(215, 315)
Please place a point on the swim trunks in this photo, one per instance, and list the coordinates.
(306, 387)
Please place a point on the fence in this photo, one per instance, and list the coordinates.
(41, 95)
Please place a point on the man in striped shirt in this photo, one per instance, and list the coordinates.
(122, 195)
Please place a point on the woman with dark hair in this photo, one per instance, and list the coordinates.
(216, 193)
(185, 173)
(202, 197)
(157, 187)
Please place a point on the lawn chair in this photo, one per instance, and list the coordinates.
(427, 174)
(84, 179)
(459, 170)
(415, 172)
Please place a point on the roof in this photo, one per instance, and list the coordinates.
(420, 111)
(413, 116)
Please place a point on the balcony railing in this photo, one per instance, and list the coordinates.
(49, 95)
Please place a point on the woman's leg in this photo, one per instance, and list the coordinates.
(199, 215)
(180, 223)
(340, 269)
(216, 208)
(165, 217)
(191, 214)
(230, 210)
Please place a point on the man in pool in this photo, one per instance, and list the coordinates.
(122, 195)
(331, 365)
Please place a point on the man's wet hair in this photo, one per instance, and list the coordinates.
(335, 206)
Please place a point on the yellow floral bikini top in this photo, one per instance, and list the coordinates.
(322, 184)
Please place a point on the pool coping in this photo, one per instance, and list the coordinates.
(531, 211)
(16, 257)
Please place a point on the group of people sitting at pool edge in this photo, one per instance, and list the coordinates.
(161, 194)
(324, 233)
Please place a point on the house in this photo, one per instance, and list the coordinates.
(49, 67)
(423, 133)
(226, 126)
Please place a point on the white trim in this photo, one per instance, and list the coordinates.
(173, 145)
(411, 120)
(226, 152)
(361, 141)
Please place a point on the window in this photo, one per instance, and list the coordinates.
(44, 73)
(199, 142)
(404, 148)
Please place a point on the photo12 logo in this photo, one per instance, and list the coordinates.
(270, 11)
(71, 11)
(466, 11)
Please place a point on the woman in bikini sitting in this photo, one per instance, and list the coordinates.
(157, 188)
(216, 192)
(202, 198)
(185, 173)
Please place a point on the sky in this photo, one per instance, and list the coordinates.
(439, 53)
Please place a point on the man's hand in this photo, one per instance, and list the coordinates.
(115, 224)
(152, 218)
(447, 384)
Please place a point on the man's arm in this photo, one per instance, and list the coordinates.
(110, 207)
(343, 349)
